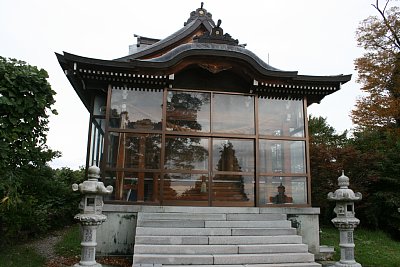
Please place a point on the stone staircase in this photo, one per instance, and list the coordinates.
(218, 236)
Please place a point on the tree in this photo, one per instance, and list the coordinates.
(377, 116)
(326, 147)
(330, 153)
(25, 103)
(379, 70)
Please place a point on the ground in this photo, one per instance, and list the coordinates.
(45, 247)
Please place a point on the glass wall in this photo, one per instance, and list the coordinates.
(97, 141)
(210, 148)
(188, 111)
(233, 114)
(132, 109)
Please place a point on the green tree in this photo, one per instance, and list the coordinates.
(370, 159)
(379, 169)
(379, 70)
(25, 105)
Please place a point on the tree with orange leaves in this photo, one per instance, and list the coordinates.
(379, 70)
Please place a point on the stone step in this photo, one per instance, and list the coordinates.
(222, 258)
(263, 258)
(186, 249)
(217, 240)
(220, 249)
(307, 264)
(181, 216)
(255, 217)
(249, 224)
(210, 216)
(172, 259)
(253, 240)
(262, 231)
(273, 248)
(214, 224)
(214, 231)
(172, 240)
(210, 210)
(182, 231)
(171, 223)
(223, 236)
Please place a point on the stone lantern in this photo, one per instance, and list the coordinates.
(345, 220)
(91, 216)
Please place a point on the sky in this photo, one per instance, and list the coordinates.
(313, 37)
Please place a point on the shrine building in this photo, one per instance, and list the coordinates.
(196, 119)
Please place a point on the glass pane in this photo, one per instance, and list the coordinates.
(128, 150)
(281, 117)
(233, 114)
(99, 107)
(283, 190)
(189, 187)
(136, 109)
(97, 142)
(233, 188)
(188, 111)
(134, 186)
(233, 155)
(282, 156)
(186, 153)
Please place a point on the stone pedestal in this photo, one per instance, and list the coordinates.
(345, 221)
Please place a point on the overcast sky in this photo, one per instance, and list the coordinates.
(313, 37)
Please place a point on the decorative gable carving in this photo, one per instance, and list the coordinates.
(216, 36)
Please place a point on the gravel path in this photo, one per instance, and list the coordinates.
(46, 246)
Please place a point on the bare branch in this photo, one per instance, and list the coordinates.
(384, 9)
(387, 24)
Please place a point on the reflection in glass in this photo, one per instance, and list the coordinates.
(186, 153)
(235, 188)
(131, 109)
(185, 186)
(99, 105)
(233, 114)
(134, 186)
(128, 150)
(188, 111)
(279, 117)
(233, 155)
(283, 190)
(282, 156)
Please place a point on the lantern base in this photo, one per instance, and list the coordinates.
(355, 264)
(91, 265)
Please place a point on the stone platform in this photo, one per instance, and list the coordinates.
(211, 236)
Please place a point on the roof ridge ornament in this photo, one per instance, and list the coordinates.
(199, 13)
(216, 36)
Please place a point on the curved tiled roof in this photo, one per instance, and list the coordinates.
(200, 42)
(198, 18)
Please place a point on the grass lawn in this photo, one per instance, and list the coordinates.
(69, 245)
(373, 248)
(20, 255)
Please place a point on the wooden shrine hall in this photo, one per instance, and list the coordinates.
(196, 119)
